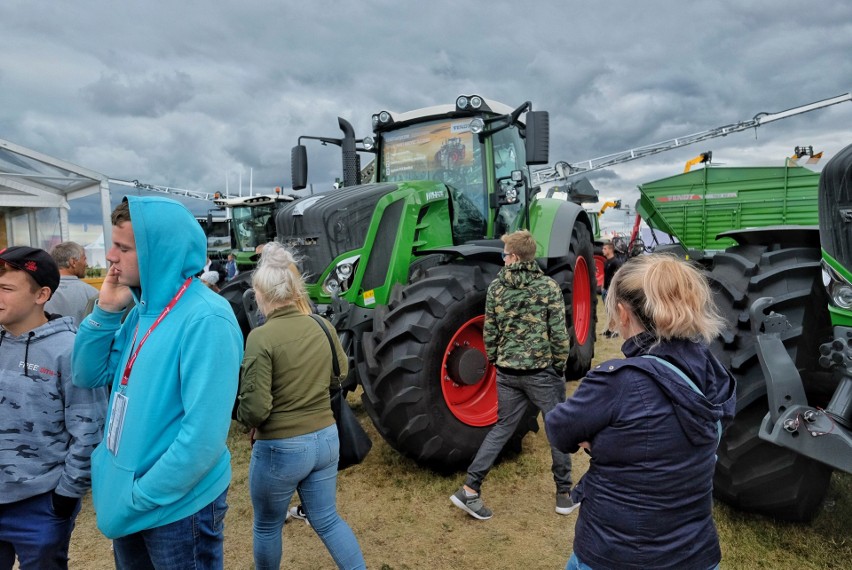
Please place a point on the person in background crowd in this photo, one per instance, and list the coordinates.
(48, 426)
(526, 340)
(611, 265)
(211, 279)
(160, 478)
(651, 423)
(284, 396)
(231, 267)
(72, 296)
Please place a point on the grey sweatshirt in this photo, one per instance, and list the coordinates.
(48, 426)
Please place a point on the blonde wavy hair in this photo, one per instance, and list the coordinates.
(668, 296)
(278, 282)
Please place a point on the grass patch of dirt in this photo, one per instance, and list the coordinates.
(403, 518)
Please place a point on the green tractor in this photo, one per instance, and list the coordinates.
(401, 264)
(784, 285)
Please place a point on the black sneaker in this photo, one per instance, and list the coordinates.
(471, 505)
(564, 504)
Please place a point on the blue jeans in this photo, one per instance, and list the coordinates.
(307, 464)
(574, 563)
(545, 390)
(193, 542)
(31, 529)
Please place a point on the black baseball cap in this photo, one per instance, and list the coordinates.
(34, 261)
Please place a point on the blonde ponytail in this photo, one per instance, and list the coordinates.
(668, 296)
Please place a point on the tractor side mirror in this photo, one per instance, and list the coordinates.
(537, 140)
(299, 166)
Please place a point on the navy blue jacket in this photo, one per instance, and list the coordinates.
(646, 501)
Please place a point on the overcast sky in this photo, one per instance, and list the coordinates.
(192, 93)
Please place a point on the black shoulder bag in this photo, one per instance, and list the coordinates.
(355, 443)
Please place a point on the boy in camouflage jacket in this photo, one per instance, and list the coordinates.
(526, 340)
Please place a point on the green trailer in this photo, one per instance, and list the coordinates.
(698, 206)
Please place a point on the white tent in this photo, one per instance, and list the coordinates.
(95, 253)
(31, 181)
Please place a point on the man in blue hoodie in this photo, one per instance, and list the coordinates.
(48, 426)
(161, 475)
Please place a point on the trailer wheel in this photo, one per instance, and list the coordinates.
(752, 474)
(429, 389)
(578, 282)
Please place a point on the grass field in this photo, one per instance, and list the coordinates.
(403, 518)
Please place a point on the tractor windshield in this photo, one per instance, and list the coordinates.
(445, 151)
(253, 226)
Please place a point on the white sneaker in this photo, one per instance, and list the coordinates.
(297, 513)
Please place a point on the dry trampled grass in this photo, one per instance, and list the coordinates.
(403, 518)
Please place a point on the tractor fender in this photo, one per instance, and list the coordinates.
(552, 221)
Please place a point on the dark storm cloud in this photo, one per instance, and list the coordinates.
(148, 96)
(194, 94)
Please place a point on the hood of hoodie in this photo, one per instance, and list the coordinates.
(164, 262)
(520, 275)
(696, 413)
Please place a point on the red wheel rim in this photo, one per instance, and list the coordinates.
(600, 262)
(474, 405)
(581, 299)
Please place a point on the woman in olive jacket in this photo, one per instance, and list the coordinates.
(651, 423)
(284, 395)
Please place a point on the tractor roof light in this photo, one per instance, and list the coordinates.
(476, 101)
(839, 289)
(462, 103)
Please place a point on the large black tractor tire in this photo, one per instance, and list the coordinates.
(578, 281)
(412, 361)
(752, 474)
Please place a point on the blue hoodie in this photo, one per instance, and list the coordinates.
(646, 501)
(172, 459)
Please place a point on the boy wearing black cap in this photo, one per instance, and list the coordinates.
(48, 427)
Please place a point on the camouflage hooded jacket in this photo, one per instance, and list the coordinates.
(525, 320)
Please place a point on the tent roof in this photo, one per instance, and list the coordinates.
(32, 180)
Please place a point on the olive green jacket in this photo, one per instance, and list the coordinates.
(285, 376)
(525, 320)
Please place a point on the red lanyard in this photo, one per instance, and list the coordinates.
(129, 366)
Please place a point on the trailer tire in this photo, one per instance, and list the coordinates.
(438, 423)
(752, 474)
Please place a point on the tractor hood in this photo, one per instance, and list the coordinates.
(321, 227)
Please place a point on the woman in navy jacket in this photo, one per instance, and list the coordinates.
(651, 423)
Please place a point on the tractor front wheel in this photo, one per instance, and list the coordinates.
(429, 389)
(752, 474)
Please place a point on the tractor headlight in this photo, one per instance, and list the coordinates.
(369, 143)
(339, 279)
(839, 289)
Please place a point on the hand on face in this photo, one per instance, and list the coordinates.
(114, 297)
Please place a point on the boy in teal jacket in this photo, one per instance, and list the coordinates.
(160, 477)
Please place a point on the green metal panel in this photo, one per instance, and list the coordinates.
(697, 206)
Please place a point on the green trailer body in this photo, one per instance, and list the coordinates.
(695, 207)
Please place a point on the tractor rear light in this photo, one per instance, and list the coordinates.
(839, 289)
